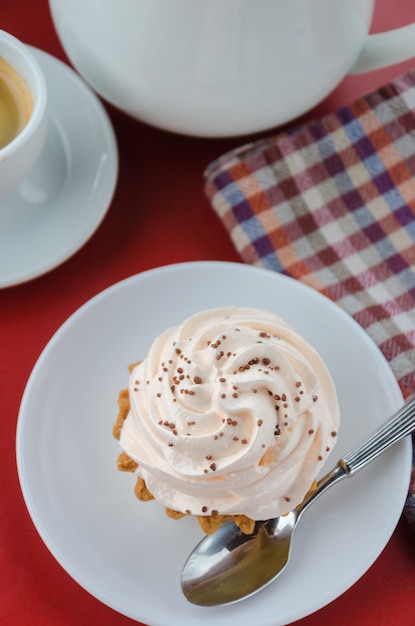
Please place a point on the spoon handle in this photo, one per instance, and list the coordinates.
(401, 424)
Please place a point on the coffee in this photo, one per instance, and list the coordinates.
(15, 103)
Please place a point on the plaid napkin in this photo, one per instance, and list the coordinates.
(332, 203)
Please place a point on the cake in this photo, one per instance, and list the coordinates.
(230, 415)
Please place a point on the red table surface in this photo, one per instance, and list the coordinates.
(159, 215)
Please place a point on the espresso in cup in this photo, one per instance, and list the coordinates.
(15, 103)
(23, 113)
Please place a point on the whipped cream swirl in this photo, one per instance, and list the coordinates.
(231, 412)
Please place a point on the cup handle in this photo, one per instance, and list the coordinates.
(383, 49)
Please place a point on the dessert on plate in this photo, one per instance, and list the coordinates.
(230, 415)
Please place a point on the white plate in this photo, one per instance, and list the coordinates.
(129, 554)
(67, 194)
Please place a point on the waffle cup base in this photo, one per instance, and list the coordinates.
(208, 523)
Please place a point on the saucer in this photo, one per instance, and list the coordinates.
(65, 197)
(129, 554)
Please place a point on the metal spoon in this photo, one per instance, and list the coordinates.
(228, 565)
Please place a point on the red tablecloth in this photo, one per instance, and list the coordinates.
(149, 224)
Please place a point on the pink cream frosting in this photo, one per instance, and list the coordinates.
(232, 412)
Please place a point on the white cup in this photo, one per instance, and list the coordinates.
(20, 154)
(222, 67)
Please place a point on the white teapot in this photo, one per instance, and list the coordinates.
(217, 68)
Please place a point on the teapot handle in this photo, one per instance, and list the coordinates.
(383, 49)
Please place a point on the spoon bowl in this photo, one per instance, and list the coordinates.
(206, 562)
(229, 565)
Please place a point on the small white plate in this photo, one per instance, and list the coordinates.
(67, 194)
(129, 554)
